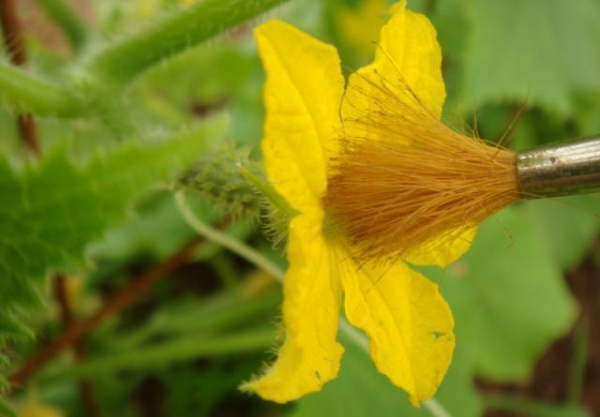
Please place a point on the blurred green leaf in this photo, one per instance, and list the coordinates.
(225, 311)
(447, 16)
(508, 297)
(158, 230)
(535, 408)
(6, 410)
(568, 226)
(54, 210)
(359, 390)
(540, 52)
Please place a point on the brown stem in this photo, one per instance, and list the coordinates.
(28, 133)
(115, 305)
(13, 40)
(11, 30)
(86, 391)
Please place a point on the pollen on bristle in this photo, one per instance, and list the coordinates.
(404, 181)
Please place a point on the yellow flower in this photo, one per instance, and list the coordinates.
(359, 26)
(409, 324)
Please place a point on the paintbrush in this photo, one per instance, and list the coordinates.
(406, 182)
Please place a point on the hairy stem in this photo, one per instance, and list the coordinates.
(26, 92)
(121, 62)
(70, 23)
(11, 30)
(234, 245)
(13, 40)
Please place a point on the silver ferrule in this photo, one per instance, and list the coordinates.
(560, 170)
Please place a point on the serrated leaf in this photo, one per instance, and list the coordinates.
(53, 210)
(535, 51)
(508, 296)
(359, 390)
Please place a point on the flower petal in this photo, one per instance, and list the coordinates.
(310, 355)
(360, 25)
(409, 324)
(408, 62)
(302, 96)
(407, 66)
(444, 250)
(403, 86)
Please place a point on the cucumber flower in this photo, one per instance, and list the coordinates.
(408, 323)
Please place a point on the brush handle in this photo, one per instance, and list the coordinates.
(560, 170)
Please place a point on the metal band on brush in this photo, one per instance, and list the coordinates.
(560, 170)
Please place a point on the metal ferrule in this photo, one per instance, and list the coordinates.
(560, 170)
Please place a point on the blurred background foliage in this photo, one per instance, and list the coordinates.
(526, 298)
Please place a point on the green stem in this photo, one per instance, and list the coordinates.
(253, 256)
(580, 344)
(123, 61)
(269, 192)
(234, 245)
(162, 354)
(62, 14)
(224, 267)
(28, 93)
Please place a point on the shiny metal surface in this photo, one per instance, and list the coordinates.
(560, 170)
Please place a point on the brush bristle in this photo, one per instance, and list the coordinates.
(405, 180)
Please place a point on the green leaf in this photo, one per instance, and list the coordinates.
(569, 227)
(158, 231)
(53, 210)
(6, 410)
(508, 296)
(535, 51)
(535, 409)
(359, 390)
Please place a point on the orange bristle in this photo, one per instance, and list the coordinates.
(404, 179)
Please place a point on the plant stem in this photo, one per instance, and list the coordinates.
(115, 305)
(86, 390)
(26, 92)
(579, 348)
(13, 40)
(164, 353)
(62, 14)
(255, 257)
(234, 245)
(11, 30)
(121, 62)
